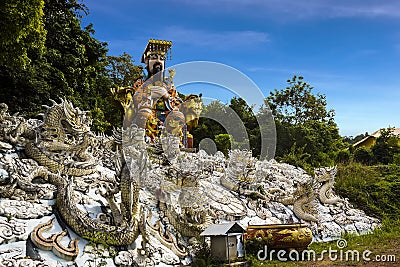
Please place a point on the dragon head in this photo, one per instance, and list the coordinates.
(78, 120)
(325, 173)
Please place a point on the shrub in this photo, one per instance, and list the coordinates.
(396, 159)
(363, 155)
(223, 142)
(374, 189)
(343, 156)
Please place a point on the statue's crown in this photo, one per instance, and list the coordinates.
(161, 47)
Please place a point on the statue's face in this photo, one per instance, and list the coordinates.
(176, 104)
(155, 62)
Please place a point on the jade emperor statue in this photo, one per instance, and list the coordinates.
(155, 104)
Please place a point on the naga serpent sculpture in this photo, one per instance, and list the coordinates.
(306, 196)
(327, 177)
(62, 125)
(61, 148)
(64, 147)
(241, 164)
(181, 193)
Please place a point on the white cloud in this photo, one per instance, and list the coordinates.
(217, 40)
(206, 39)
(303, 9)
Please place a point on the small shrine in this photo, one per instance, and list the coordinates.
(224, 240)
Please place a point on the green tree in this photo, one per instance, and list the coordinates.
(363, 155)
(22, 31)
(386, 146)
(249, 120)
(297, 104)
(223, 142)
(353, 140)
(122, 71)
(72, 65)
(305, 128)
(343, 156)
(239, 120)
(314, 142)
(77, 60)
(297, 156)
(208, 127)
(235, 120)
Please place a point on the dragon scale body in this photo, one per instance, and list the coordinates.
(83, 225)
(65, 130)
(181, 225)
(35, 153)
(327, 177)
(298, 208)
(53, 138)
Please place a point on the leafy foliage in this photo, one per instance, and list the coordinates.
(343, 156)
(72, 63)
(216, 114)
(352, 140)
(385, 150)
(249, 119)
(223, 142)
(22, 32)
(203, 256)
(122, 70)
(363, 155)
(208, 127)
(307, 135)
(375, 189)
(296, 103)
(386, 147)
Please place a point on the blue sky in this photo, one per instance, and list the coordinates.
(347, 50)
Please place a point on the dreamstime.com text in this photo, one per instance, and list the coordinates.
(340, 254)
